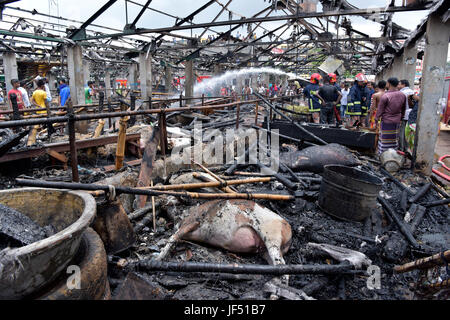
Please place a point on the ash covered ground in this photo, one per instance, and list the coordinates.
(378, 238)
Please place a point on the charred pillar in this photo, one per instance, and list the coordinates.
(108, 84)
(189, 80)
(72, 141)
(132, 77)
(145, 74)
(434, 63)
(10, 68)
(76, 77)
(168, 78)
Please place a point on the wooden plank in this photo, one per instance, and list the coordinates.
(151, 146)
(112, 168)
(64, 147)
(57, 155)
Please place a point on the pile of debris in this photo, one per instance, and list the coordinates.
(332, 223)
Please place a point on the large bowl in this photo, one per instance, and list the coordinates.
(27, 269)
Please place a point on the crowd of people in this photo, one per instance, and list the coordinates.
(41, 97)
(388, 107)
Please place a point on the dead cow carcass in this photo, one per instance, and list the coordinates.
(240, 226)
(315, 158)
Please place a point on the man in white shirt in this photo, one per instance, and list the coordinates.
(47, 90)
(24, 92)
(261, 89)
(407, 91)
(345, 90)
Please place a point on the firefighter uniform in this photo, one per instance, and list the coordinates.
(310, 92)
(355, 97)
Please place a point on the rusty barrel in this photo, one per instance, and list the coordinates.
(27, 269)
(348, 193)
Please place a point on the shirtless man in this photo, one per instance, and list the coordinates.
(375, 101)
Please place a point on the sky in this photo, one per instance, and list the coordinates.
(115, 16)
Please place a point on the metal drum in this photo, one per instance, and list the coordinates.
(348, 193)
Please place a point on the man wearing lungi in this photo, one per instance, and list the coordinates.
(391, 111)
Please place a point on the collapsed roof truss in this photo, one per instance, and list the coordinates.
(308, 37)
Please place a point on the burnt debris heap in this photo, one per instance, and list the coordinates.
(216, 165)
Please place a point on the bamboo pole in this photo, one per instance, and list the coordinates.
(424, 263)
(128, 190)
(212, 184)
(212, 174)
(439, 285)
(153, 209)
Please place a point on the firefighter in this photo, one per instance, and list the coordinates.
(333, 81)
(310, 92)
(356, 98)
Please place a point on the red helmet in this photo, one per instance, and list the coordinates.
(333, 77)
(360, 77)
(316, 77)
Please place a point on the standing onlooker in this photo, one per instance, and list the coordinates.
(47, 90)
(403, 86)
(381, 89)
(39, 97)
(64, 92)
(24, 90)
(262, 89)
(391, 110)
(89, 92)
(15, 90)
(344, 91)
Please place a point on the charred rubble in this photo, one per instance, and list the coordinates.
(198, 233)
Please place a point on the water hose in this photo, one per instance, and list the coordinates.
(441, 162)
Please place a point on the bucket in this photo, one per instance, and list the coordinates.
(348, 193)
(29, 268)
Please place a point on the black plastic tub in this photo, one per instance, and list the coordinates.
(348, 193)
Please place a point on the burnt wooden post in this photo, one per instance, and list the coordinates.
(15, 106)
(110, 109)
(72, 141)
(150, 102)
(121, 139)
(132, 108)
(256, 114)
(238, 111)
(101, 101)
(203, 99)
(163, 131)
(181, 100)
